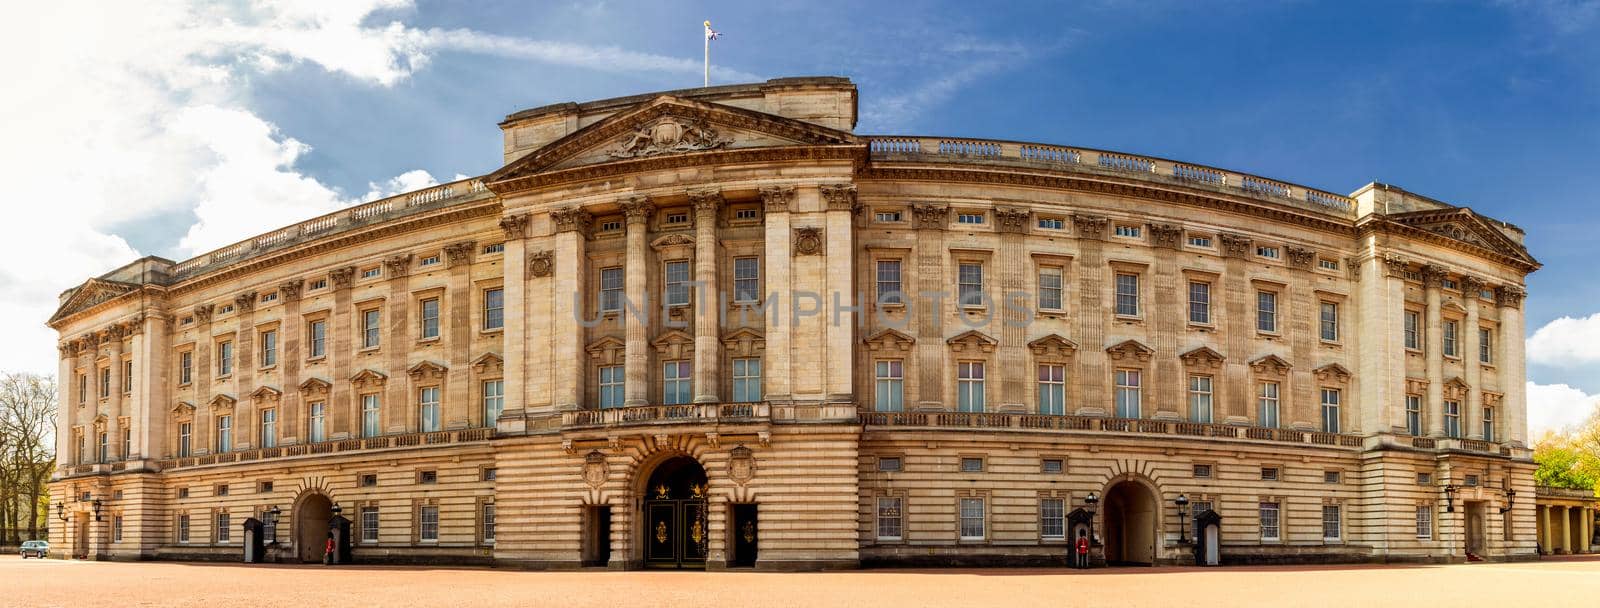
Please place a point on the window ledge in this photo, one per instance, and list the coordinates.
(974, 308)
(1332, 343)
(369, 349)
(428, 340)
(267, 368)
(1193, 326)
(225, 376)
(492, 332)
(316, 359)
(1129, 318)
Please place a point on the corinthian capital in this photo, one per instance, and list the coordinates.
(515, 226)
(638, 209)
(1089, 226)
(839, 197)
(1432, 275)
(706, 201)
(572, 219)
(778, 199)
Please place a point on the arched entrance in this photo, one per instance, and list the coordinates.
(311, 514)
(676, 531)
(1130, 524)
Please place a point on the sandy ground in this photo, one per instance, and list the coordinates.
(1564, 582)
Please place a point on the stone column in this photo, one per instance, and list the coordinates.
(568, 357)
(708, 302)
(344, 417)
(1565, 529)
(1544, 527)
(152, 368)
(779, 202)
(1432, 275)
(518, 268)
(636, 348)
(1012, 267)
(1512, 366)
(840, 331)
(113, 411)
(1238, 327)
(1300, 320)
(246, 431)
(204, 430)
(291, 410)
(66, 384)
(1089, 325)
(401, 412)
(1472, 367)
(1168, 384)
(460, 397)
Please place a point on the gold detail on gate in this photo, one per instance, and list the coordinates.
(695, 532)
(749, 531)
(697, 490)
(661, 491)
(661, 532)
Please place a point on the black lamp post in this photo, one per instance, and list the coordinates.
(1090, 501)
(96, 504)
(1449, 498)
(1183, 513)
(1511, 498)
(61, 511)
(272, 522)
(337, 509)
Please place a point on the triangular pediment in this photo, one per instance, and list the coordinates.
(90, 293)
(266, 393)
(183, 408)
(488, 363)
(607, 350)
(744, 342)
(1463, 225)
(889, 340)
(1270, 364)
(1131, 350)
(222, 403)
(427, 370)
(314, 386)
(674, 344)
(1332, 372)
(367, 377)
(1202, 357)
(972, 341)
(667, 126)
(1053, 345)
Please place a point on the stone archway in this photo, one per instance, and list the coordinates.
(1130, 510)
(675, 523)
(311, 514)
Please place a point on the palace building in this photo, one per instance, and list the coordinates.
(717, 328)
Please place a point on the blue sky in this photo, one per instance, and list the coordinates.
(1492, 105)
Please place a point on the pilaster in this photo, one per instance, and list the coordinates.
(636, 357)
(1471, 366)
(344, 418)
(1238, 325)
(932, 297)
(1434, 356)
(1513, 365)
(401, 413)
(571, 267)
(840, 333)
(1089, 325)
(779, 202)
(520, 327)
(708, 298)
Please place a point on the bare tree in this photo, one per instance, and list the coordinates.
(27, 449)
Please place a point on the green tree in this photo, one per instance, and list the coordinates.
(1570, 458)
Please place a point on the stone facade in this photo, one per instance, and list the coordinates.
(718, 327)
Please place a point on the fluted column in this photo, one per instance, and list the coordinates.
(401, 412)
(568, 358)
(1012, 267)
(1472, 367)
(202, 439)
(839, 334)
(245, 417)
(515, 351)
(1512, 366)
(66, 384)
(344, 419)
(778, 201)
(1089, 326)
(113, 411)
(1300, 317)
(291, 410)
(461, 400)
(1434, 355)
(1168, 384)
(636, 353)
(707, 305)
(1239, 327)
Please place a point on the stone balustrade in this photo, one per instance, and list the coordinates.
(409, 440)
(1089, 160)
(694, 413)
(376, 211)
(1103, 425)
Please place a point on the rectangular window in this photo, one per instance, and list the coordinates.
(369, 524)
(611, 289)
(1267, 405)
(269, 348)
(1200, 241)
(494, 400)
(1052, 466)
(183, 528)
(185, 436)
(490, 474)
(972, 519)
(746, 279)
(746, 380)
(1488, 423)
(105, 382)
(969, 386)
(1269, 521)
(1331, 477)
(969, 218)
(1131, 232)
(224, 433)
(127, 376)
(1425, 521)
(1327, 264)
(428, 477)
(488, 522)
(889, 518)
(369, 328)
(1053, 390)
(369, 416)
(677, 382)
(1052, 223)
(677, 218)
(269, 428)
(372, 272)
(1200, 399)
(225, 358)
(1202, 471)
(494, 248)
(1424, 479)
(1450, 338)
(1452, 419)
(748, 213)
(889, 282)
(1485, 345)
(319, 338)
(889, 385)
(185, 367)
(1050, 288)
(971, 465)
(1267, 252)
(1329, 321)
(431, 260)
(116, 529)
(1330, 410)
(83, 388)
(1414, 415)
(494, 308)
(889, 464)
(428, 404)
(430, 318)
(428, 524)
(677, 279)
(887, 216)
(1266, 311)
(1330, 522)
(318, 427)
(224, 527)
(611, 384)
(1129, 395)
(611, 226)
(1052, 519)
(318, 284)
(1127, 294)
(105, 447)
(368, 480)
(969, 284)
(127, 442)
(1200, 303)
(1269, 473)
(1413, 331)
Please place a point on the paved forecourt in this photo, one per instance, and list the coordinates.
(1569, 582)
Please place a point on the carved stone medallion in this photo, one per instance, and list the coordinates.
(541, 264)
(741, 465)
(807, 240)
(669, 135)
(594, 469)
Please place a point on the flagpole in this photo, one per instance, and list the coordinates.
(707, 81)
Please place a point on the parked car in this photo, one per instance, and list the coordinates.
(36, 548)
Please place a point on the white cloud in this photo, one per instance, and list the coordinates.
(1566, 342)
(1556, 407)
(610, 59)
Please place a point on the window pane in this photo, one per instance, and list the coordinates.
(889, 282)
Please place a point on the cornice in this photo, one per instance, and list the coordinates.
(851, 152)
(1380, 224)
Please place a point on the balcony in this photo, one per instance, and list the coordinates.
(343, 446)
(1109, 164)
(1104, 426)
